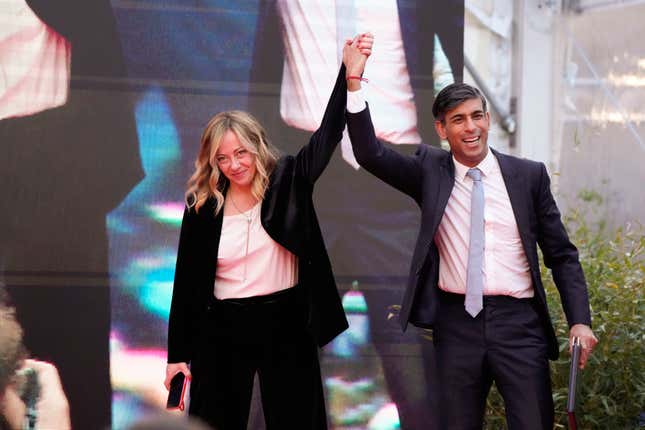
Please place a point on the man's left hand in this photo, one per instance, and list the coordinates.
(587, 342)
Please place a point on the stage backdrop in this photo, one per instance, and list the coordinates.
(101, 108)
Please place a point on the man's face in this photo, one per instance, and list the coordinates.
(466, 129)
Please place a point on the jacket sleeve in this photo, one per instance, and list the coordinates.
(312, 158)
(403, 172)
(561, 256)
(180, 323)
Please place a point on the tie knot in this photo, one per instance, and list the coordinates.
(475, 174)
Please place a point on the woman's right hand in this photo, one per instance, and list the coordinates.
(174, 368)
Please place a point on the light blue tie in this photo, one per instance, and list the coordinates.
(474, 279)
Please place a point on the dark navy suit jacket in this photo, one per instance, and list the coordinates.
(428, 177)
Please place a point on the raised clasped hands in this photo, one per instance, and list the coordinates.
(355, 54)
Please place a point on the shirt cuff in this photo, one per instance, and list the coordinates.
(355, 101)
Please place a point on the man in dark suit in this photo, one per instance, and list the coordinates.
(475, 275)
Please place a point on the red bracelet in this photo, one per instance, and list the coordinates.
(360, 78)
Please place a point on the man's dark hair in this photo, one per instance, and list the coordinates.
(452, 96)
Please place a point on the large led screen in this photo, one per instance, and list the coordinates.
(101, 108)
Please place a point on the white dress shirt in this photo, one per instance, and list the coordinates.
(506, 268)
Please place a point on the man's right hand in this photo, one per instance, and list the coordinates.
(174, 368)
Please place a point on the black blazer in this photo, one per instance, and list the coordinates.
(428, 177)
(288, 216)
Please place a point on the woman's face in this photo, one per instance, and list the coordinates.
(235, 161)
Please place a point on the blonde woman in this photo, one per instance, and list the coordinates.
(254, 291)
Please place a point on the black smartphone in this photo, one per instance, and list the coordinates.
(177, 391)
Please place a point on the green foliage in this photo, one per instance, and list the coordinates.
(611, 392)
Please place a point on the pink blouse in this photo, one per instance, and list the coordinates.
(249, 262)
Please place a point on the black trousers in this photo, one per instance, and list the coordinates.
(265, 335)
(505, 344)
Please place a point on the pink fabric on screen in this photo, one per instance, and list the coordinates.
(34, 63)
(313, 40)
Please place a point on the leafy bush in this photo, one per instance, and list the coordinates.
(611, 392)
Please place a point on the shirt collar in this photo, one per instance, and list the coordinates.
(486, 166)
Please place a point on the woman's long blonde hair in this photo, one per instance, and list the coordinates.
(207, 180)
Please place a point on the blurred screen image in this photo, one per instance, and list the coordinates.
(108, 101)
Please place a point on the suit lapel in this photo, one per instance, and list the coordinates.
(213, 228)
(517, 194)
(446, 183)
